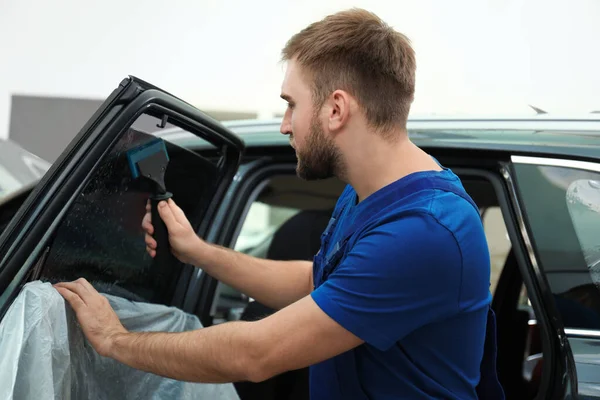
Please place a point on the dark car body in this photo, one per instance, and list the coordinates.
(540, 175)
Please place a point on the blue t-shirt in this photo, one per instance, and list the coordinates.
(412, 281)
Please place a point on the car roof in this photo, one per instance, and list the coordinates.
(577, 136)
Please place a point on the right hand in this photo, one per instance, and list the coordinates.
(182, 238)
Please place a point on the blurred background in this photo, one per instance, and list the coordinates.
(60, 59)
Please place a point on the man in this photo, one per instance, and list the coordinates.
(396, 302)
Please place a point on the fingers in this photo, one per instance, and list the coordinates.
(86, 285)
(81, 287)
(166, 214)
(147, 224)
(149, 228)
(177, 211)
(74, 300)
(150, 251)
(147, 221)
(150, 242)
(74, 287)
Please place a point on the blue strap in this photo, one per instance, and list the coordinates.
(489, 387)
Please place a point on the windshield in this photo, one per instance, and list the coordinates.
(18, 169)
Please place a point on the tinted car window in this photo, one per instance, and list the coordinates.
(100, 238)
(562, 208)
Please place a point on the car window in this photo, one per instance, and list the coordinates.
(100, 238)
(260, 224)
(562, 209)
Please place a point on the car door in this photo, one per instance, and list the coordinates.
(560, 211)
(84, 217)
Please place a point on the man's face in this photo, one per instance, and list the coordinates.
(318, 156)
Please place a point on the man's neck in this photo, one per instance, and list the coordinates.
(378, 163)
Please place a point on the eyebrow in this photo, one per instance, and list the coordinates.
(286, 97)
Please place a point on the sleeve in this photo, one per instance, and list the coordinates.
(397, 278)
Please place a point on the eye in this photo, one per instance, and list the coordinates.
(290, 106)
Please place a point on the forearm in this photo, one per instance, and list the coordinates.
(212, 355)
(273, 283)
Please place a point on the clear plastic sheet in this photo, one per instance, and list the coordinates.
(44, 354)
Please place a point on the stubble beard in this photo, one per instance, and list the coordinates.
(320, 159)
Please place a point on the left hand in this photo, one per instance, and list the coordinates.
(98, 320)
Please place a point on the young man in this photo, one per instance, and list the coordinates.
(396, 302)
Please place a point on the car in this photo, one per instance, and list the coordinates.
(535, 179)
(20, 170)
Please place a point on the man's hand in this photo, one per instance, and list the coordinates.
(98, 320)
(184, 241)
(294, 337)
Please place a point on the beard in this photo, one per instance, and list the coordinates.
(320, 158)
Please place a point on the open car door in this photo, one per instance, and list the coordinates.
(84, 217)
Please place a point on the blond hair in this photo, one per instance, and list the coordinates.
(356, 51)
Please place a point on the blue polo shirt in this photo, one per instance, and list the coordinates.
(407, 270)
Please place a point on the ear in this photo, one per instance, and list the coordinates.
(339, 110)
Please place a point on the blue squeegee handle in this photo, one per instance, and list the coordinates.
(163, 256)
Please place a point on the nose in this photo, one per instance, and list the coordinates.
(286, 124)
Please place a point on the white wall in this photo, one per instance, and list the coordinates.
(474, 56)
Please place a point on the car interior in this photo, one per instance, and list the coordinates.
(519, 360)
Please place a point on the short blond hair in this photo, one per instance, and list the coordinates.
(356, 51)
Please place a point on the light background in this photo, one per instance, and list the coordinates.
(474, 56)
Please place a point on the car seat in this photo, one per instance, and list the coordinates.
(299, 238)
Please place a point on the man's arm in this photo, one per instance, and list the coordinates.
(273, 283)
(294, 337)
(276, 284)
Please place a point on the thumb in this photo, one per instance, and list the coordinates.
(177, 212)
(166, 215)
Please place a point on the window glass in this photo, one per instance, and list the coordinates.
(562, 208)
(100, 238)
(260, 224)
(583, 203)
